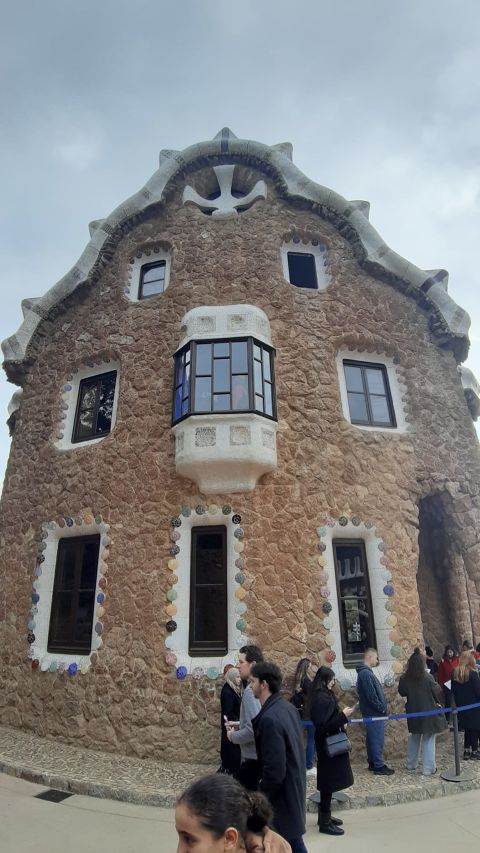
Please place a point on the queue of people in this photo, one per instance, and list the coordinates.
(257, 801)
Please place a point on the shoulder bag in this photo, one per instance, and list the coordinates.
(337, 745)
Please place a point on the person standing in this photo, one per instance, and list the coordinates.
(281, 755)
(466, 691)
(333, 773)
(432, 664)
(373, 703)
(444, 675)
(422, 693)
(301, 700)
(248, 774)
(230, 699)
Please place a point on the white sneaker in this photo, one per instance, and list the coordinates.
(312, 771)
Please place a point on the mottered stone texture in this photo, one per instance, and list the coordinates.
(130, 701)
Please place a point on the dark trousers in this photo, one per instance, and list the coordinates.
(471, 739)
(249, 774)
(297, 845)
(375, 743)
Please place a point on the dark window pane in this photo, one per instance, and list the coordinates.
(68, 569)
(84, 620)
(239, 357)
(178, 402)
(358, 408)
(209, 554)
(94, 413)
(221, 402)
(89, 566)
(204, 360)
(185, 407)
(257, 352)
(179, 369)
(266, 366)
(268, 399)
(221, 350)
(258, 403)
(156, 273)
(258, 377)
(301, 269)
(375, 381)
(209, 601)
(356, 614)
(187, 356)
(105, 408)
(240, 398)
(221, 375)
(353, 378)
(380, 412)
(62, 616)
(203, 397)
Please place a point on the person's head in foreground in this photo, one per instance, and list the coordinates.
(217, 815)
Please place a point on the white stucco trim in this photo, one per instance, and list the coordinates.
(44, 577)
(134, 269)
(397, 388)
(379, 575)
(211, 322)
(70, 392)
(320, 257)
(177, 642)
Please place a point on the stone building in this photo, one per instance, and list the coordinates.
(242, 416)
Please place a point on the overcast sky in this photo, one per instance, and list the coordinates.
(379, 98)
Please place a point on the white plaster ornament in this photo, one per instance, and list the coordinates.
(226, 204)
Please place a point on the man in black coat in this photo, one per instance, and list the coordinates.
(281, 755)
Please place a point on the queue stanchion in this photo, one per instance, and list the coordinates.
(456, 774)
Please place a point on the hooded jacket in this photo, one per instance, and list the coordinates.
(371, 697)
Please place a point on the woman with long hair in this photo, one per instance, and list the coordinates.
(422, 694)
(301, 699)
(333, 773)
(216, 814)
(230, 699)
(466, 691)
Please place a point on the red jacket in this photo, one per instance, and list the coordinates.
(445, 670)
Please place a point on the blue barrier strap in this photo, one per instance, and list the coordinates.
(307, 723)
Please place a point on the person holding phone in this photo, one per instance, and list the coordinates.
(333, 773)
(230, 699)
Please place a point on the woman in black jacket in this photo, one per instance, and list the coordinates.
(466, 691)
(230, 699)
(333, 774)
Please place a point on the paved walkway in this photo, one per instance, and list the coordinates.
(85, 825)
(147, 782)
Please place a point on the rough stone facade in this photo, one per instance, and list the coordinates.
(130, 699)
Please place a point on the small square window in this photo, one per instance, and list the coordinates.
(301, 270)
(152, 279)
(93, 417)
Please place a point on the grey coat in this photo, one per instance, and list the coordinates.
(424, 695)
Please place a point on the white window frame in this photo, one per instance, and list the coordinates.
(152, 256)
(70, 394)
(396, 386)
(319, 253)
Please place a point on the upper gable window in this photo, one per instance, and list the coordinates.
(304, 264)
(368, 392)
(301, 270)
(152, 279)
(94, 413)
(148, 273)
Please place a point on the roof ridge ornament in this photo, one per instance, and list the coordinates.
(226, 204)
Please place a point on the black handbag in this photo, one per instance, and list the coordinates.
(337, 745)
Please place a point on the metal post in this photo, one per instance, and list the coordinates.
(456, 775)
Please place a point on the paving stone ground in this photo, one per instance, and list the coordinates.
(154, 783)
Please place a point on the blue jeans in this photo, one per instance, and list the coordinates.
(375, 743)
(297, 845)
(310, 745)
(428, 757)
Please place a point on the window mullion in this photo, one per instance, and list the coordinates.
(366, 394)
(193, 376)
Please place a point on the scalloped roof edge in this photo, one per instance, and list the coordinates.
(431, 283)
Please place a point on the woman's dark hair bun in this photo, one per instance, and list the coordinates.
(260, 812)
